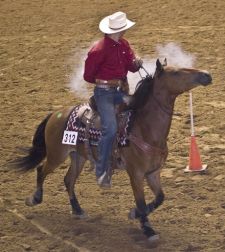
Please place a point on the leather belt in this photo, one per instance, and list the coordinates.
(105, 86)
(109, 83)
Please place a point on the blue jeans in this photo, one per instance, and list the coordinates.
(106, 99)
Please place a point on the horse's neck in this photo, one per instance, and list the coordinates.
(154, 121)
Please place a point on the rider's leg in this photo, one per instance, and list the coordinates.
(106, 108)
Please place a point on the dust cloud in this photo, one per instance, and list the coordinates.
(173, 52)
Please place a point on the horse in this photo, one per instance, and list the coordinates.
(153, 105)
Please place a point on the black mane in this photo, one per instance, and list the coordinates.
(143, 89)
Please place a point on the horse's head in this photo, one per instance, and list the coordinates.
(178, 80)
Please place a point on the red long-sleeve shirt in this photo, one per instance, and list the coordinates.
(108, 60)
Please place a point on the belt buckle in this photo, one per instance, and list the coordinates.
(103, 86)
(120, 82)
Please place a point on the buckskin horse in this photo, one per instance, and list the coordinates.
(153, 103)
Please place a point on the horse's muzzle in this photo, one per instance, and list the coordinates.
(205, 78)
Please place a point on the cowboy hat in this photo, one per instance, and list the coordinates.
(114, 23)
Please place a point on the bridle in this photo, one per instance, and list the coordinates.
(144, 146)
(154, 98)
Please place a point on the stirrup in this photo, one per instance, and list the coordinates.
(104, 181)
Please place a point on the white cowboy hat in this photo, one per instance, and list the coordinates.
(114, 23)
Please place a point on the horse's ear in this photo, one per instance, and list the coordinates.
(165, 62)
(159, 68)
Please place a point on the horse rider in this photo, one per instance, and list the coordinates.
(107, 65)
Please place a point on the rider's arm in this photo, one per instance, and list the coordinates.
(92, 64)
(134, 63)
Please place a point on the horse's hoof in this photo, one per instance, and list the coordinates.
(153, 240)
(132, 214)
(81, 216)
(30, 201)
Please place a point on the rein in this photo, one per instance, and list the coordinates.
(161, 107)
(147, 73)
(146, 147)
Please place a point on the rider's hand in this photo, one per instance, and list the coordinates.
(138, 62)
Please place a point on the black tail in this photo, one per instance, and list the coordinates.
(36, 153)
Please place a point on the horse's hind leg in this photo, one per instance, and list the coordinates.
(77, 163)
(42, 172)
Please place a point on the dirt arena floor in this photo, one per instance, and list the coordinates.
(40, 43)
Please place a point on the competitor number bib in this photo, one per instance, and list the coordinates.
(70, 137)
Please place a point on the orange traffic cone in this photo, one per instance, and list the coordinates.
(195, 164)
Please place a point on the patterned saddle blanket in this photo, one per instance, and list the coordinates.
(87, 123)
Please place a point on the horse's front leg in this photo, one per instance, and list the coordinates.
(137, 183)
(153, 180)
(77, 163)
